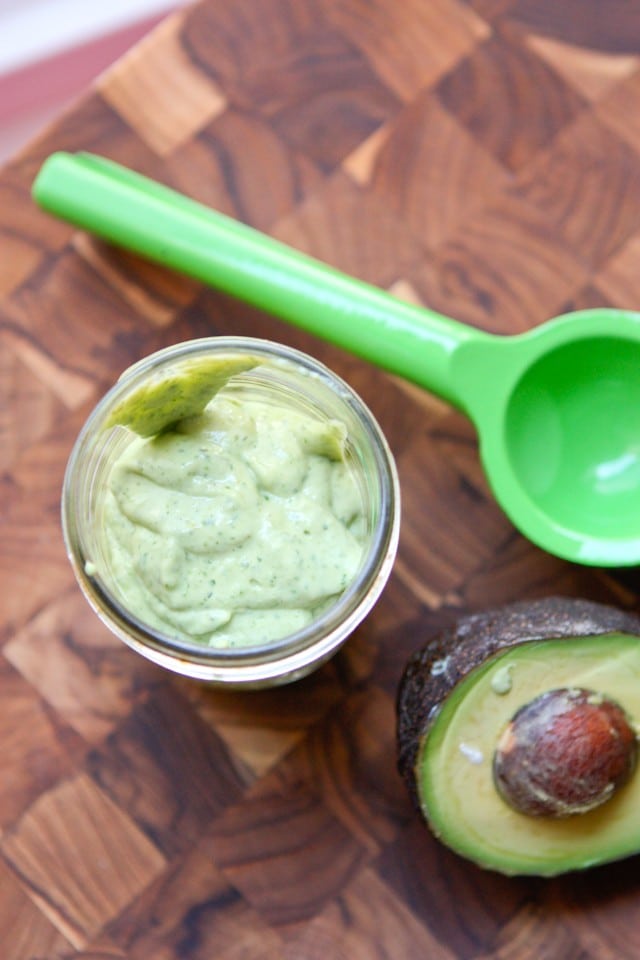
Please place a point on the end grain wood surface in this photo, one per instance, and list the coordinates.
(482, 157)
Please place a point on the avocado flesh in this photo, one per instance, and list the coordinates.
(181, 391)
(454, 766)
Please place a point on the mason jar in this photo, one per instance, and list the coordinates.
(282, 379)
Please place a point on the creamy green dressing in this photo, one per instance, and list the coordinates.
(234, 527)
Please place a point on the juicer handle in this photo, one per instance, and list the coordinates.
(142, 215)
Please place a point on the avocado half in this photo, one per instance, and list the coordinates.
(458, 694)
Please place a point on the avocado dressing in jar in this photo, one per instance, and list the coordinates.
(231, 510)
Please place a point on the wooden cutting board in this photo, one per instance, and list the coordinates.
(481, 157)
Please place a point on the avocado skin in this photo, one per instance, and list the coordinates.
(473, 639)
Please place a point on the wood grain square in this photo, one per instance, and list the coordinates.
(505, 270)
(586, 298)
(26, 932)
(285, 61)
(65, 387)
(396, 607)
(348, 228)
(429, 171)
(592, 73)
(230, 166)
(37, 474)
(368, 922)
(158, 68)
(609, 899)
(518, 572)
(76, 310)
(95, 126)
(283, 848)
(535, 929)
(32, 748)
(399, 639)
(168, 769)
(28, 531)
(458, 441)
(585, 23)
(354, 661)
(85, 852)
(620, 109)
(91, 679)
(409, 44)
(23, 260)
(155, 293)
(259, 731)
(27, 235)
(455, 525)
(229, 40)
(467, 907)
(587, 186)
(619, 278)
(323, 99)
(349, 756)
(483, 90)
(101, 951)
(193, 912)
(36, 402)
(490, 9)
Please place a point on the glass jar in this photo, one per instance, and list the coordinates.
(283, 376)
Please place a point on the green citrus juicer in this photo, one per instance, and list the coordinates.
(557, 409)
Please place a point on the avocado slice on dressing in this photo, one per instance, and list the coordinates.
(463, 704)
(176, 393)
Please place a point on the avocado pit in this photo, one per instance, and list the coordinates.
(564, 753)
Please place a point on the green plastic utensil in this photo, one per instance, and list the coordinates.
(557, 409)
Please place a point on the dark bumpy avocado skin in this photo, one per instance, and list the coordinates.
(470, 641)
